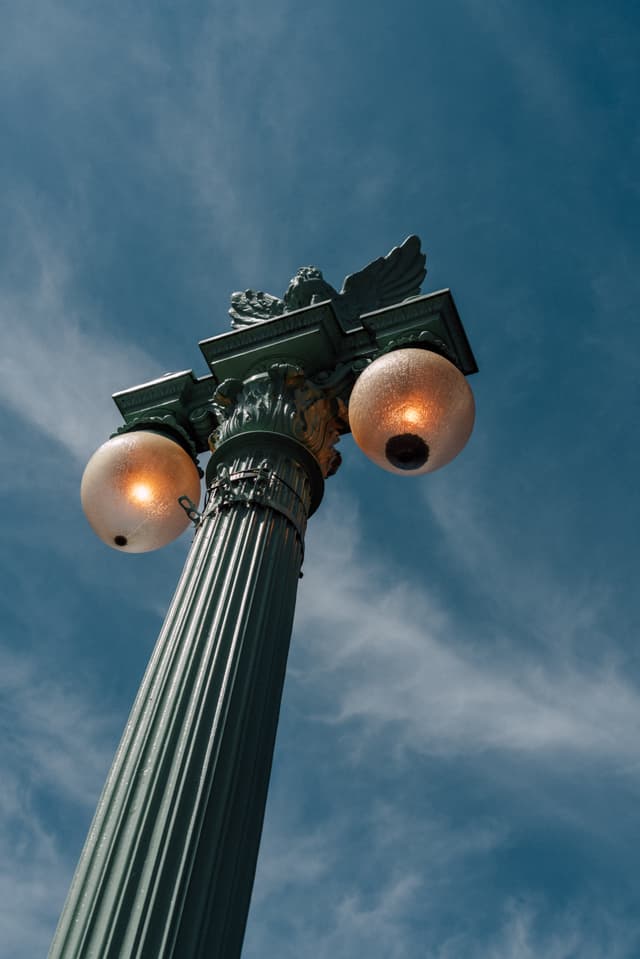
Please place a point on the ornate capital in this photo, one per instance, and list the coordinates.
(282, 401)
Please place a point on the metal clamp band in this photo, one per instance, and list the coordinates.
(257, 487)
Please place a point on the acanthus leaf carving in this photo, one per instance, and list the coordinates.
(282, 400)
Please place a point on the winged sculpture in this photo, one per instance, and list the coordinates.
(387, 280)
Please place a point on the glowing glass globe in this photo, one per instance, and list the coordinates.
(130, 491)
(411, 411)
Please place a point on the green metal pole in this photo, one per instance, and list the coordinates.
(168, 867)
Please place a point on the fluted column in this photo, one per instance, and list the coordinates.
(168, 866)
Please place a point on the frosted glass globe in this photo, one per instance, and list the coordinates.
(411, 411)
(130, 491)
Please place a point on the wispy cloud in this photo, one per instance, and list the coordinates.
(229, 159)
(58, 367)
(528, 932)
(33, 877)
(362, 889)
(391, 879)
(401, 883)
(398, 657)
(51, 734)
(54, 749)
(524, 39)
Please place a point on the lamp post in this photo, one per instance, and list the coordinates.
(168, 866)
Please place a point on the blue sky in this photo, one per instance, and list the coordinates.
(457, 771)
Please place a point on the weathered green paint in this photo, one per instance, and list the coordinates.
(168, 866)
(312, 338)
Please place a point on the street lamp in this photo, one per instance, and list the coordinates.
(169, 863)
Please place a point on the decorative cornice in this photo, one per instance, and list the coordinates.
(423, 340)
(317, 314)
(164, 388)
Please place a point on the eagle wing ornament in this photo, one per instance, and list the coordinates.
(387, 280)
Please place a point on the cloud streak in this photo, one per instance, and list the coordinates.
(58, 367)
(54, 748)
(398, 657)
(347, 894)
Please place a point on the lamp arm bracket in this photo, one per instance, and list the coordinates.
(191, 510)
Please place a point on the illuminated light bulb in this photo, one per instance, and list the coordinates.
(140, 492)
(411, 411)
(130, 491)
(411, 416)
